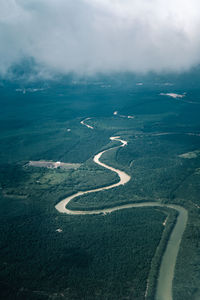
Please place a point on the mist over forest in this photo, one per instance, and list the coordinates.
(100, 149)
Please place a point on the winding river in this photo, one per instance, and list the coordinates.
(166, 272)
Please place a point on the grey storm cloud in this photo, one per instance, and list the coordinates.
(100, 35)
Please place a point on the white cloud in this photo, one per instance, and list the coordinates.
(101, 35)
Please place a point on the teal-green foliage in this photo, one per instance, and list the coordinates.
(94, 257)
(157, 172)
(36, 261)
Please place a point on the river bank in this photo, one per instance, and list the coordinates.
(166, 272)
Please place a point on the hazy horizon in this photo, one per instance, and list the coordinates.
(89, 36)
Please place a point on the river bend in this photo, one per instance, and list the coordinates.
(167, 267)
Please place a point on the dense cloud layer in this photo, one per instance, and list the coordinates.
(101, 35)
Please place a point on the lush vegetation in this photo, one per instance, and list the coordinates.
(94, 257)
(97, 257)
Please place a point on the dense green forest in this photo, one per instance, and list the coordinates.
(48, 255)
(93, 257)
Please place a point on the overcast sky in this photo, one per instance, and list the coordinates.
(101, 35)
